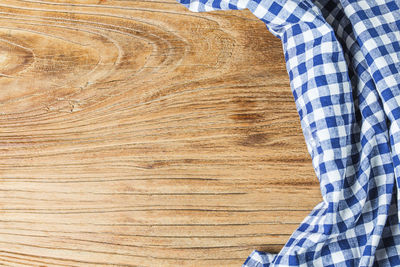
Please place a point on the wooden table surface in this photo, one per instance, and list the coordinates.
(138, 133)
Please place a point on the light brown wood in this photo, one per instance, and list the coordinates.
(138, 133)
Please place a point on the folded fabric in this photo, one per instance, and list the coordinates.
(343, 61)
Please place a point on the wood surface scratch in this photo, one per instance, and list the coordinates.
(138, 133)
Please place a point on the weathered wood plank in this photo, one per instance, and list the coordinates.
(137, 133)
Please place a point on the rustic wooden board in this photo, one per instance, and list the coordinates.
(137, 133)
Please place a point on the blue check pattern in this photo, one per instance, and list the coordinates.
(343, 61)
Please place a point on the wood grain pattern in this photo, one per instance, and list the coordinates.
(137, 133)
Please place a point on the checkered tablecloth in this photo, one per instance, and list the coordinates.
(343, 61)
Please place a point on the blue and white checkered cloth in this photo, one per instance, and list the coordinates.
(343, 61)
